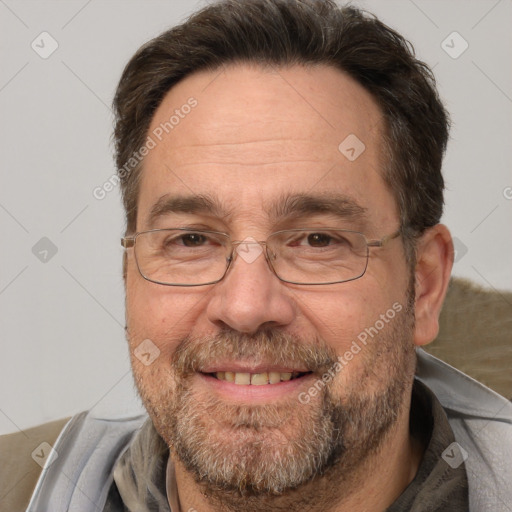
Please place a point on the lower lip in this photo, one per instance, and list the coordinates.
(239, 392)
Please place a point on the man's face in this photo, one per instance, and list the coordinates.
(263, 147)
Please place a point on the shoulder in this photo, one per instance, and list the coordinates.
(86, 449)
(481, 421)
(459, 393)
(22, 456)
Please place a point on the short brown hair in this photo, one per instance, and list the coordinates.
(298, 32)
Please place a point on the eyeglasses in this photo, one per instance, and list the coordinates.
(185, 257)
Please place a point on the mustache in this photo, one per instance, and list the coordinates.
(267, 346)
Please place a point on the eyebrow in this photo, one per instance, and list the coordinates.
(302, 205)
(287, 207)
(186, 204)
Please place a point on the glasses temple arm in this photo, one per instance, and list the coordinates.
(127, 242)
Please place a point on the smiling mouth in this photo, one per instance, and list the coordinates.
(257, 379)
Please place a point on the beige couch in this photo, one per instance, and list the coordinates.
(475, 334)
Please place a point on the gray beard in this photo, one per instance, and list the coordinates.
(240, 457)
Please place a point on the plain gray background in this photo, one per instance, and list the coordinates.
(62, 314)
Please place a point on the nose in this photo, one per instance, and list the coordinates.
(250, 297)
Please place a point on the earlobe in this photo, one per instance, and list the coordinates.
(434, 261)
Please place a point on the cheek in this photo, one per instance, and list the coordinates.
(151, 339)
(350, 317)
(160, 314)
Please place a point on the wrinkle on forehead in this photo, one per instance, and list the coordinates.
(275, 104)
(255, 135)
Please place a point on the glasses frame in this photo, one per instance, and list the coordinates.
(129, 242)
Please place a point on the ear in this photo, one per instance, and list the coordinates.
(434, 261)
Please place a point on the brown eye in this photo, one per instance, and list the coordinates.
(319, 240)
(193, 240)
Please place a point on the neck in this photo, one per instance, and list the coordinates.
(374, 485)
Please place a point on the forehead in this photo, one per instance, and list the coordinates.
(251, 136)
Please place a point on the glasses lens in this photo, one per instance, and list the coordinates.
(318, 256)
(182, 257)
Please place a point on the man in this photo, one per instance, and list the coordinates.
(280, 164)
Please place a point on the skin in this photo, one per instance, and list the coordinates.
(255, 136)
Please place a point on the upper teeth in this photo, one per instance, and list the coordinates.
(256, 379)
